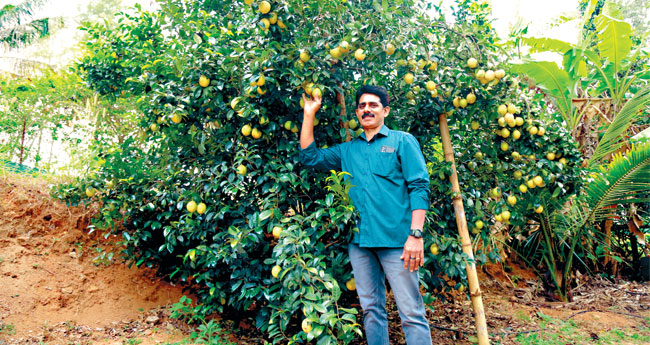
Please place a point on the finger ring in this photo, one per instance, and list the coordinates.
(412, 258)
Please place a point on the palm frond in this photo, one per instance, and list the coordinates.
(625, 180)
(612, 140)
(546, 45)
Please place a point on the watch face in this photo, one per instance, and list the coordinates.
(417, 233)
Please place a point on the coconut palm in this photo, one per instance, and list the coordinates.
(17, 25)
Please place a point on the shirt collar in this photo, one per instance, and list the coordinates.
(383, 131)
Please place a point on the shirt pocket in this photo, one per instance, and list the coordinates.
(385, 164)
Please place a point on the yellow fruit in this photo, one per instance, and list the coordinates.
(498, 217)
(345, 46)
(260, 90)
(509, 118)
(516, 134)
(505, 133)
(274, 18)
(538, 181)
(463, 103)
(336, 52)
(501, 121)
(541, 131)
(519, 121)
(352, 124)
(550, 156)
(489, 75)
(176, 118)
(471, 98)
(204, 81)
(261, 80)
(499, 73)
(248, 2)
(275, 271)
(518, 174)
(316, 92)
(277, 230)
(563, 160)
(90, 192)
(431, 85)
(351, 285)
(433, 66)
(264, 7)
(408, 78)
(200, 208)
(191, 206)
(456, 102)
(512, 109)
(390, 49)
(316, 122)
(523, 188)
(265, 23)
(308, 88)
(246, 130)
(504, 146)
(505, 215)
(153, 127)
(480, 74)
(306, 326)
(359, 55)
(256, 133)
(288, 125)
(434, 249)
(241, 169)
(304, 56)
(234, 102)
(264, 120)
(530, 184)
(539, 209)
(516, 156)
(532, 130)
(502, 110)
(474, 125)
(512, 200)
(294, 128)
(302, 103)
(472, 63)
(479, 224)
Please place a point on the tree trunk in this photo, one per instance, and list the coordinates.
(461, 223)
(22, 142)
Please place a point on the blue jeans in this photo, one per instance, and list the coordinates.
(370, 267)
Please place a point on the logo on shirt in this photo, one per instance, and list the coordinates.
(388, 149)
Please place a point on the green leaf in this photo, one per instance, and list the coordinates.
(553, 80)
(614, 42)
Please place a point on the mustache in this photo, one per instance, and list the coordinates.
(367, 115)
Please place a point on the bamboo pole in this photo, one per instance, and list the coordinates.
(461, 223)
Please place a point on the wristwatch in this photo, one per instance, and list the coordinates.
(417, 233)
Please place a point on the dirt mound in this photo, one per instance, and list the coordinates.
(60, 282)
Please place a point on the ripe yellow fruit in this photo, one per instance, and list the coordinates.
(498, 217)
(462, 103)
(90, 192)
(500, 73)
(539, 209)
(518, 174)
(265, 23)
(248, 2)
(281, 24)
(434, 249)
(153, 127)
(505, 133)
(523, 188)
(277, 230)
(472, 63)
(294, 128)
(306, 326)
(274, 18)
(480, 74)
(241, 169)
(532, 130)
(275, 271)
(176, 118)
(512, 200)
(304, 56)
(516, 156)
(390, 49)
(502, 110)
(288, 125)
(530, 184)
(471, 98)
(261, 80)
(316, 92)
(264, 120)
(336, 52)
(260, 90)
(504, 146)
(351, 285)
(204, 81)
(308, 88)
(430, 85)
(359, 55)
(538, 181)
(479, 224)
(200, 208)
(264, 7)
(501, 121)
(505, 215)
(246, 130)
(563, 160)
(408, 78)
(256, 133)
(456, 102)
(474, 125)
(541, 131)
(433, 66)
(512, 109)
(516, 134)
(489, 75)
(352, 124)
(550, 156)
(345, 46)
(509, 118)
(191, 206)
(519, 121)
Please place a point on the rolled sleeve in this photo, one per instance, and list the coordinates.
(415, 173)
(322, 159)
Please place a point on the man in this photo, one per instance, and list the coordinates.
(391, 194)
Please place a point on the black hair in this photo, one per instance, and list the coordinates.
(374, 90)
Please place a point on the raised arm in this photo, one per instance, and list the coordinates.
(312, 105)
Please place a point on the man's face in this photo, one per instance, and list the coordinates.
(370, 112)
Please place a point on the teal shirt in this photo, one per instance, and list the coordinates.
(390, 180)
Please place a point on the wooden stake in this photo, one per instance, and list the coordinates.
(461, 223)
